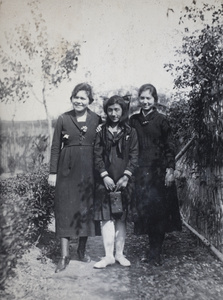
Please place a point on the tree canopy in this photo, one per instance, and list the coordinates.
(32, 67)
(198, 72)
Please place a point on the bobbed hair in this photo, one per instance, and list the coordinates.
(152, 90)
(83, 87)
(117, 100)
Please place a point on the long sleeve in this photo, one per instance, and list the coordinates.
(98, 154)
(56, 146)
(118, 162)
(133, 152)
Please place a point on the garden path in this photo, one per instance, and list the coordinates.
(189, 271)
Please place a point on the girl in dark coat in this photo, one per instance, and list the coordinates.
(71, 171)
(155, 172)
(116, 157)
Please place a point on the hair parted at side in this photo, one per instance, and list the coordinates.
(83, 87)
(117, 100)
(151, 88)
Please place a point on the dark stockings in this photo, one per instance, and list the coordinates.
(156, 238)
(82, 249)
(65, 257)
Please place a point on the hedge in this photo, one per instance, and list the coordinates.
(26, 208)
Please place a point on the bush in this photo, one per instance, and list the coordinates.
(26, 208)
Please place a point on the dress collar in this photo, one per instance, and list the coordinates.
(146, 119)
(74, 118)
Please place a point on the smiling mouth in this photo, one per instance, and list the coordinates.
(114, 119)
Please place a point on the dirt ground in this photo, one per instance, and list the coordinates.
(189, 271)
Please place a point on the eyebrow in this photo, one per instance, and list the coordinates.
(78, 97)
(114, 108)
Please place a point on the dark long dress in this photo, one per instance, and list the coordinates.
(72, 161)
(114, 154)
(156, 204)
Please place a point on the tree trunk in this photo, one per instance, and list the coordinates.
(49, 125)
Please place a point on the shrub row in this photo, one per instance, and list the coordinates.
(26, 208)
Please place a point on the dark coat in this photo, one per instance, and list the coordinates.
(156, 153)
(72, 161)
(114, 155)
(156, 146)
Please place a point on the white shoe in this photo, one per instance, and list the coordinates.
(123, 261)
(104, 262)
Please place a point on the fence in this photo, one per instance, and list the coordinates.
(24, 145)
(201, 201)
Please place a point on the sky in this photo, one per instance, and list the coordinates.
(123, 43)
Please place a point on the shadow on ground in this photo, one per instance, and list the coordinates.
(189, 271)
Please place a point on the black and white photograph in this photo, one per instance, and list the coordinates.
(111, 149)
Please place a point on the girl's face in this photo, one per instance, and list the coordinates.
(146, 100)
(114, 112)
(80, 101)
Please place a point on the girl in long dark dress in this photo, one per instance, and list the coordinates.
(71, 171)
(116, 157)
(155, 173)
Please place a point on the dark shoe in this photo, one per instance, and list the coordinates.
(144, 258)
(147, 259)
(148, 256)
(62, 264)
(157, 261)
(153, 258)
(82, 256)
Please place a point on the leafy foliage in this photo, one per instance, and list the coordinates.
(198, 75)
(178, 117)
(35, 58)
(24, 146)
(31, 66)
(26, 209)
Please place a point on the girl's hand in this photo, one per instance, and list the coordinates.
(98, 129)
(169, 179)
(109, 183)
(122, 183)
(52, 179)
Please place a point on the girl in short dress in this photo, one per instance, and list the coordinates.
(115, 156)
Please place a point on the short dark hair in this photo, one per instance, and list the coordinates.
(117, 100)
(151, 88)
(83, 87)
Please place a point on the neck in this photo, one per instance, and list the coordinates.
(114, 125)
(80, 113)
(146, 112)
(114, 128)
